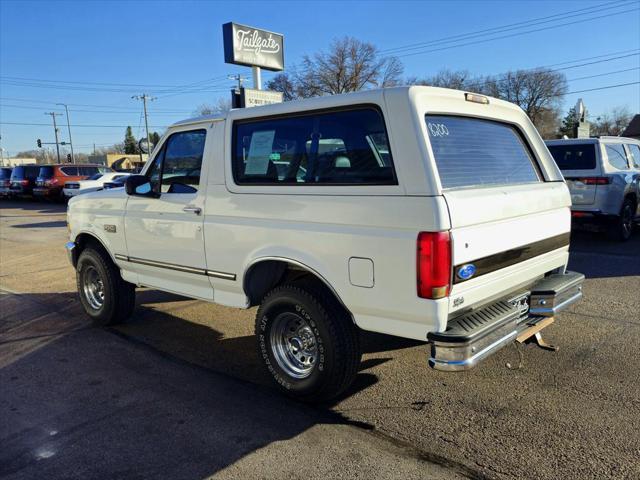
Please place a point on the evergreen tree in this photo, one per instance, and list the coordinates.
(130, 144)
(569, 124)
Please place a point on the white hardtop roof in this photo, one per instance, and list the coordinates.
(332, 101)
(606, 138)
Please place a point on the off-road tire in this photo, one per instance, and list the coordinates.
(337, 340)
(119, 296)
(621, 228)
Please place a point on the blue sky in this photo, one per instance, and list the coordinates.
(153, 46)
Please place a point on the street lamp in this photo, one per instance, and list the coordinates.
(66, 109)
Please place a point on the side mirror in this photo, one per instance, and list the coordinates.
(133, 183)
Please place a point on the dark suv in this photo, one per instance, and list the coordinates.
(5, 176)
(23, 180)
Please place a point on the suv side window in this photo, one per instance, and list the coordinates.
(176, 167)
(634, 150)
(617, 156)
(70, 171)
(344, 147)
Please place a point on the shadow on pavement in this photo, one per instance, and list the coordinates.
(594, 255)
(90, 405)
(33, 206)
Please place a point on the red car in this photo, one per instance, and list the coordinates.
(51, 178)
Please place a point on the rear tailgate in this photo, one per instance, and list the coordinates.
(510, 235)
(508, 226)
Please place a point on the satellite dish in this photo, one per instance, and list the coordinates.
(580, 111)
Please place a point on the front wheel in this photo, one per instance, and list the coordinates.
(105, 296)
(307, 342)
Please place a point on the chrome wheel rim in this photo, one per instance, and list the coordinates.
(294, 345)
(93, 288)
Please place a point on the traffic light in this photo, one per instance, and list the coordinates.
(39, 142)
(69, 157)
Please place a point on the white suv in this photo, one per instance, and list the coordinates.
(91, 184)
(420, 212)
(603, 175)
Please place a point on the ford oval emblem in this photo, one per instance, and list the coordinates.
(465, 272)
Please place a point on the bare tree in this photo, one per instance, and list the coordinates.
(284, 83)
(537, 92)
(222, 105)
(611, 123)
(348, 65)
(459, 80)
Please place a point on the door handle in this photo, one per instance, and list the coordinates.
(192, 209)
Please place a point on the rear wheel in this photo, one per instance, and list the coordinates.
(105, 296)
(622, 227)
(307, 342)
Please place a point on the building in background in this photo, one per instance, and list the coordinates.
(120, 161)
(633, 129)
(13, 162)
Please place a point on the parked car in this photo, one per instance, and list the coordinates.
(5, 182)
(91, 184)
(603, 175)
(117, 183)
(52, 178)
(441, 217)
(23, 180)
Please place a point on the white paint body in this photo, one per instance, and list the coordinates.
(329, 230)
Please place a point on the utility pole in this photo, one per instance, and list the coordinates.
(55, 129)
(239, 78)
(66, 109)
(144, 97)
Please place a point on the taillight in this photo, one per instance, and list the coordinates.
(50, 182)
(593, 180)
(434, 264)
(24, 182)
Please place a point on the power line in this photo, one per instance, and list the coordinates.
(512, 26)
(502, 37)
(606, 87)
(123, 109)
(503, 77)
(604, 74)
(155, 112)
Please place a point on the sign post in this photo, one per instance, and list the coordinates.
(255, 48)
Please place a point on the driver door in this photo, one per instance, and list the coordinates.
(164, 219)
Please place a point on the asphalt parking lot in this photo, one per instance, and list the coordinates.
(178, 391)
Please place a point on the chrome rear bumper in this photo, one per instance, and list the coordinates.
(477, 334)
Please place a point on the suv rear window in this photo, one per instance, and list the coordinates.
(472, 152)
(45, 172)
(5, 173)
(348, 147)
(574, 156)
(25, 172)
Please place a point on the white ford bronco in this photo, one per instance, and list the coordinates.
(426, 213)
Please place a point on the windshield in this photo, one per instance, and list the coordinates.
(574, 156)
(472, 152)
(95, 177)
